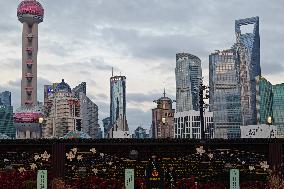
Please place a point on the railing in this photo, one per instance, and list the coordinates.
(88, 163)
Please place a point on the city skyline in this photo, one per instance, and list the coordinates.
(139, 48)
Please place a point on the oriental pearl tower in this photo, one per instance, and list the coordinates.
(30, 13)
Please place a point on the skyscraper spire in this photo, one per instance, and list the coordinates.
(111, 71)
(164, 92)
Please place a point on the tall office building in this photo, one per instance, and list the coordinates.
(5, 98)
(30, 13)
(89, 114)
(89, 111)
(270, 103)
(106, 126)
(64, 114)
(118, 119)
(278, 108)
(264, 100)
(6, 115)
(248, 48)
(225, 99)
(188, 77)
(163, 118)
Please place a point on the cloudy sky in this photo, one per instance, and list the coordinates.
(80, 40)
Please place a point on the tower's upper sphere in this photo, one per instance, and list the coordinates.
(30, 11)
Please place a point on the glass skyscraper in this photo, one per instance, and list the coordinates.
(117, 98)
(278, 108)
(118, 121)
(225, 100)
(248, 48)
(188, 77)
(270, 103)
(6, 115)
(5, 98)
(264, 99)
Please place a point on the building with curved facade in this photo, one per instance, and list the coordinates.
(118, 121)
(270, 104)
(248, 48)
(188, 77)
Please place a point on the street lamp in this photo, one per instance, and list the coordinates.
(40, 121)
(269, 120)
(164, 120)
(202, 105)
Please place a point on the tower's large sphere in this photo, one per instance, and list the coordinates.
(30, 11)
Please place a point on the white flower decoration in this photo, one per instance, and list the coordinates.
(74, 150)
(110, 163)
(37, 157)
(243, 162)
(95, 170)
(79, 157)
(102, 155)
(93, 150)
(200, 150)
(33, 166)
(251, 168)
(22, 169)
(210, 156)
(264, 165)
(70, 156)
(222, 153)
(228, 165)
(45, 156)
(104, 170)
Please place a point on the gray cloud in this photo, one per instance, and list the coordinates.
(90, 64)
(140, 97)
(137, 117)
(271, 68)
(14, 86)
